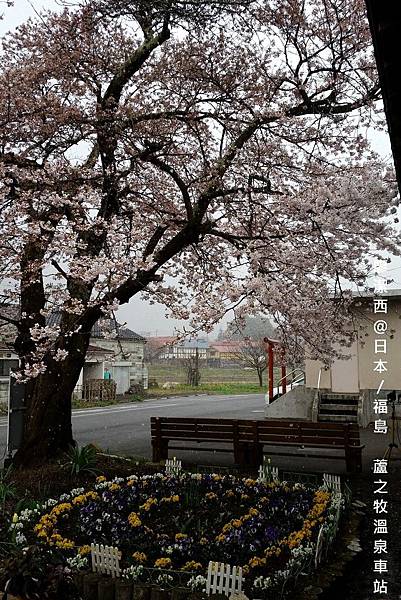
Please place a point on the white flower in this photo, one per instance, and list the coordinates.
(262, 583)
(63, 498)
(51, 502)
(20, 538)
(164, 579)
(197, 583)
(132, 572)
(77, 562)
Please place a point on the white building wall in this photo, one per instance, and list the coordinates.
(129, 351)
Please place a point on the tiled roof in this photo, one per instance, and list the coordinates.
(97, 350)
(161, 341)
(201, 344)
(227, 346)
(103, 326)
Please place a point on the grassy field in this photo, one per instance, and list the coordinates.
(164, 373)
(207, 388)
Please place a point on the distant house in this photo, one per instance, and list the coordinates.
(171, 349)
(8, 361)
(157, 346)
(126, 353)
(121, 353)
(225, 352)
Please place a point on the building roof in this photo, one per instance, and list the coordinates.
(227, 346)
(97, 350)
(168, 340)
(157, 342)
(200, 343)
(234, 345)
(101, 328)
(107, 326)
(395, 293)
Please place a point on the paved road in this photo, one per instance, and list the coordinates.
(125, 428)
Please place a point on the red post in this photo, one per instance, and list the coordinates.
(283, 372)
(271, 361)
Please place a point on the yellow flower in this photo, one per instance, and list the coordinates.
(114, 487)
(148, 504)
(250, 482)
(42, 534)
(180, 536)
(79, 499)
(139, 557)
(91, 495)
(175, 498)
(15, 518)
(60, 508)
(257, 562)
(134, 520)
(163, 563)
(236, 523)
(210, 496)
(84, 550)
(203, 541)
(60, 542)
(192, 565)
(100, 478)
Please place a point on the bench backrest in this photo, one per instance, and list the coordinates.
(262, 431)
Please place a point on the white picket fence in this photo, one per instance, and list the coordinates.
(332, 482)
(173, 467)
(223, 579)
(319, 547)
(106, 559)
(267, 473)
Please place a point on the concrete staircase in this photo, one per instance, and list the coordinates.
(338, 408)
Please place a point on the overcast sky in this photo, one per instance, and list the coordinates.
(138, 314)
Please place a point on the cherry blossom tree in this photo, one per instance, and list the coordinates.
(204, 154)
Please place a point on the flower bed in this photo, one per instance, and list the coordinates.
(181, 523)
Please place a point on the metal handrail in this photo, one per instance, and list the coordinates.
(319, 378)
(288, 374)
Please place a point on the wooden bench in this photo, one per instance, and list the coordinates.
(248, 439)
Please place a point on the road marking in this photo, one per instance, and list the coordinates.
(83, 412)
(94, 411)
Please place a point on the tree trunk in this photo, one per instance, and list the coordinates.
(47, 422)
(260, 377)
